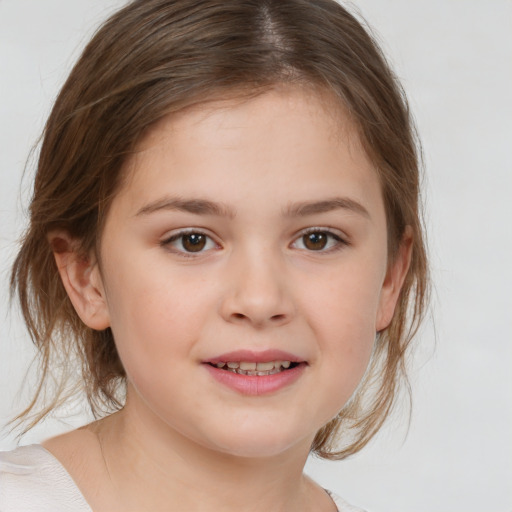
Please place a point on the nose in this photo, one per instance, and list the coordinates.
(257, 292)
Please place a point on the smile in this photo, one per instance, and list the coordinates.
(255, 369)
(256, 373)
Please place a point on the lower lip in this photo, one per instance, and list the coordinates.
(256, 385)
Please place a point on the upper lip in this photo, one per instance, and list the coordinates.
(251, 356)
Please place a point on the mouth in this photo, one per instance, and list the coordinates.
(252, 368)
(256, 373)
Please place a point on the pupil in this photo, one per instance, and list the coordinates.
(194, 242)
(315, 241)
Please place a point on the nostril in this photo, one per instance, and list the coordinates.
(273, 318)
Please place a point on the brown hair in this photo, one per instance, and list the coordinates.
(156, 57)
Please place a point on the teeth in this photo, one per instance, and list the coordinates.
(251, 368)
(265, 367)
(247, 366)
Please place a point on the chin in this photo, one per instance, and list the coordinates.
(259, 442)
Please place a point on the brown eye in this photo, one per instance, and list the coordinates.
(315, 241)
(323, 241)
(194, 242)
(189, 243)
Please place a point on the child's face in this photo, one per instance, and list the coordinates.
(254, 226)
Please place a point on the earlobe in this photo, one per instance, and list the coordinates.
(82, 280)
(394, 280)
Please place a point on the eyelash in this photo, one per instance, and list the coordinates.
(167, 243)
(336, 241)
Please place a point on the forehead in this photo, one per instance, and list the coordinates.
(296, 100)
(286, 131)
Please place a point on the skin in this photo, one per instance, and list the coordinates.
(184, 441)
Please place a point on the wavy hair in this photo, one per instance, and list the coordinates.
(154, 58)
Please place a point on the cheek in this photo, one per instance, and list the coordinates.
(342, 315)
(345, 300)
(153, 322)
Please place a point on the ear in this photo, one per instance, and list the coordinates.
(82, 280)
(394, 280)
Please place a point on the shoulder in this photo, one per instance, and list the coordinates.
(342, 505)
(32, 479)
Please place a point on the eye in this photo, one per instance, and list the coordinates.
(319, 240)
(189, 242)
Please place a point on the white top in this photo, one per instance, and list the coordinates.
(33, 480)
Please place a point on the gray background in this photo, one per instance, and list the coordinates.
(455, 60)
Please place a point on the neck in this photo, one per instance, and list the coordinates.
(152, 471)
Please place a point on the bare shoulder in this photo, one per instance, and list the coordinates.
(75, 449)
(80, 453)
(318, 498)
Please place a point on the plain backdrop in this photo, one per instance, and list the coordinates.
(454, 58)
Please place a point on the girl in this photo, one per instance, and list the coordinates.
(225, 232)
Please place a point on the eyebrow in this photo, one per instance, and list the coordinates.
(205, 207)
(314, 207)
(196, 206)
